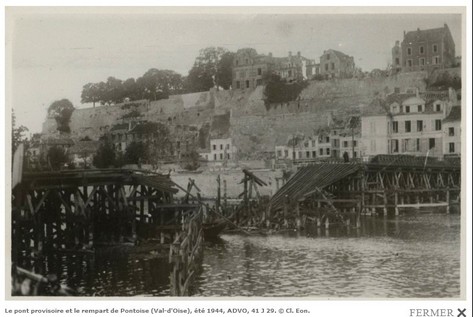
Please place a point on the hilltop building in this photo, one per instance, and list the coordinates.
(335, 64)
(425, 50)
(251, 68)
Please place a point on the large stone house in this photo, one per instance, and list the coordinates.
(250, 69)
(426, 50)
(335, 64)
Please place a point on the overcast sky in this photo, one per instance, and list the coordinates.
(54, 55)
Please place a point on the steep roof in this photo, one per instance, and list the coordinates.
(59, 141)
(82, 147)
(454, 115)
(340, 55)
(429, 35)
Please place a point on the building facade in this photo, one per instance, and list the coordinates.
(427, 50)
(452, 132)
(249, 68)
(407, 124)
(335, 64)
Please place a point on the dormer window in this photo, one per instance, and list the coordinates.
(395, 109)
(419, 108)
(409, 51)
(438, 107)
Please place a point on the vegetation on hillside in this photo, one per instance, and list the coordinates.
(278, 90)
(61, 111)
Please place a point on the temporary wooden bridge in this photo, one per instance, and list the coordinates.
(78, 209)
(333, 192)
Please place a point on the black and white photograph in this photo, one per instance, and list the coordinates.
(231, 153)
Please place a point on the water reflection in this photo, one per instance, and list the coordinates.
(407, 256)
(410, 256)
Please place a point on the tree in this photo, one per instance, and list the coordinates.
(213, 67)
(91, 93)
(57, 157)
(61, 110)
(158, 84)
(105, 156)
(190, 161)
(17, 133)
(224, 72)
(136, 152)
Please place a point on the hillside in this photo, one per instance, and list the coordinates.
(254, 126)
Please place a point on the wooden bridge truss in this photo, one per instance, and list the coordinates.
(77, 210)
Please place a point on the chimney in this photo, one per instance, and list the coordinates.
(418, 29)
(270, 54)
(404, 33)
(417, 92)
(290, 53)
(397, 43)
(299, 54)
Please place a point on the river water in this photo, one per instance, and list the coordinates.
(404, 257)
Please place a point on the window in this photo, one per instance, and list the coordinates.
(435, 60)
(409, 62)
(345, 143)
(354, 154)
(326, 67)
(407, 126)
(321, 151)
(307, 154)
(247, 84)
(327, 139)
(451, 147)
(328, 56)
(314, 154)
(214, 147)
(228, 155)
(236, 62)
(372, 127)
(421, 49)
(438, 107)
(405, 145)
(408, 109)
(409, 51)
(259, 82)
(238, 84)
(397, 61)
(279, 153)
(332, 65)
(395, 146)
(221, 156)
(327, 151)
(373, 145)
(417, 144)
(421, 61)
(260, 71)
(419, 108)
(435, 48)
(451, 131)
(420, 125)
(395, 127)
(438, 125)
(354, 143)
(289, 73)
(221, 146)
(286, 153)
(215, 157)
(431, 143)
(227, 146)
